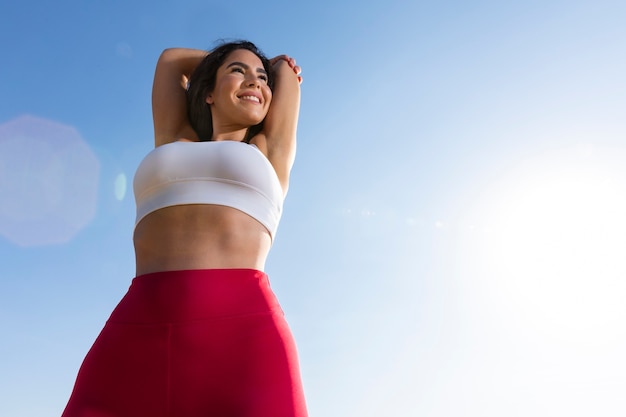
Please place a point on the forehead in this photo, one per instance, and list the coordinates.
(244, 56)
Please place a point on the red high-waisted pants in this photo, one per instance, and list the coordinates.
(197, 343)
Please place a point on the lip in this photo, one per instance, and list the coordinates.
(253, 94)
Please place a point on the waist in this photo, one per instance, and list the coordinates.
(199, 237)
(205, 294)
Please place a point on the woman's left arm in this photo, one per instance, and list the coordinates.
(281, 123)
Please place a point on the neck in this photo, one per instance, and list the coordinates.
(237, 134)
(233, 135)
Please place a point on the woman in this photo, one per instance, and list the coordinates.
(199, 332)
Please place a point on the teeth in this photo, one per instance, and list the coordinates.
(252, 98)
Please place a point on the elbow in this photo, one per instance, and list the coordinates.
(168, 54)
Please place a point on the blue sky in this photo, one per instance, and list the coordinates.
(453, 239)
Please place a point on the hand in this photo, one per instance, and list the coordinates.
(291, 62)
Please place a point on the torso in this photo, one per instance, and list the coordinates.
(199, 236)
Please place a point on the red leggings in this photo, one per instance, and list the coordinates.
(196, 343)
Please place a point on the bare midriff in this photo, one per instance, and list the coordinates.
(199, 236)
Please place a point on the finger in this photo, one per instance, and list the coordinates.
(289, 62)
(278, 58)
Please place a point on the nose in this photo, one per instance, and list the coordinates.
(254, 83)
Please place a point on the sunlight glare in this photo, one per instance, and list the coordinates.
(554, 244)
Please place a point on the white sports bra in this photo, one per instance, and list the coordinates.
(227, 173)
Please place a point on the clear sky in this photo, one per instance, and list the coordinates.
(454, 238)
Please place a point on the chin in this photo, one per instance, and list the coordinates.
(253, 121)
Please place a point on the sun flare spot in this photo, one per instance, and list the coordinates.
(556, 243)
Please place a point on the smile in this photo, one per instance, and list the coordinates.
(251, 98)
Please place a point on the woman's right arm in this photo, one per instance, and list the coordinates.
(169, 97)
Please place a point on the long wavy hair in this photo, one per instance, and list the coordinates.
(202, 82)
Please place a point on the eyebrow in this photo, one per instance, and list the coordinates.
(245, 66)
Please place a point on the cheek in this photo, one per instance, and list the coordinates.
(268, 96)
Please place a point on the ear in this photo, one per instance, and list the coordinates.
(209, 99)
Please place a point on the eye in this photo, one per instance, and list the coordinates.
(238, 69)
(263, 78)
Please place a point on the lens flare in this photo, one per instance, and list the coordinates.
(48, 180)
(120, 186)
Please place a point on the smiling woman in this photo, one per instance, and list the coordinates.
(200, 331)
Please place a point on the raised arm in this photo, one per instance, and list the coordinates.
(281, 122)
(169, 103)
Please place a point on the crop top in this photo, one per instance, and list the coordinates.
(227, 173)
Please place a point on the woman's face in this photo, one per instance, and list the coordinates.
(241, 96)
